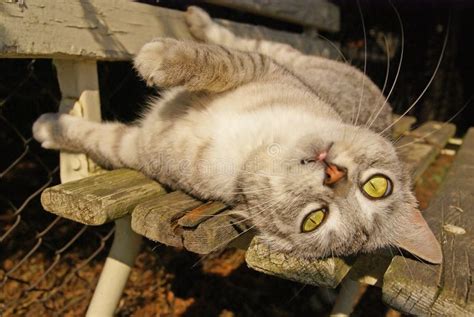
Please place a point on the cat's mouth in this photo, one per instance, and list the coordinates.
(333, 173)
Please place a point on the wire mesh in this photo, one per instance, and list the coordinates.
(42, 257)
(49, 266)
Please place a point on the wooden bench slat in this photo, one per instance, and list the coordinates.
(156, 218)
(320, 14)
(402, 126)
(331, 276)
(200, 214)
(213, 234)
(98, 199)
(420, 147)
(434, 133)
(313, 272)
(122, 29)
(421, 289)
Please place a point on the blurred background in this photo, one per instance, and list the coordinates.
(49, 266)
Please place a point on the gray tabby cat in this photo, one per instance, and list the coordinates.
(281, 136)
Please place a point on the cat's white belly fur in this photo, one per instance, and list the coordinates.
(232, 131)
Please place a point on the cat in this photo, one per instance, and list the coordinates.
(297, 144)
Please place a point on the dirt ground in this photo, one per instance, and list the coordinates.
(166, 281)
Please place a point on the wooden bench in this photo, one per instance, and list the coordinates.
(415, 288)
(72, 34)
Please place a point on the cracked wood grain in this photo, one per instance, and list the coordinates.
(320, 272)
(155, 218)
(98, 199)
(108, 30)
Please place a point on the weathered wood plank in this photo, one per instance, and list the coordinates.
(105, 30)
(420, 147)
(432, 133)
(194, 217)
(417, 156)
(446, 290)
(98, 199)
(315, 13)
(213, 234)
(156, 218)
(262, 258)
(402, 126)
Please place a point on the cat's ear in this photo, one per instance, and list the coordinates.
(419, 240)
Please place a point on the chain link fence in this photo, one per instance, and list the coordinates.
(45, 260)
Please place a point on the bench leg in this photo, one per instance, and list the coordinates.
(115, 273)
(347, 298)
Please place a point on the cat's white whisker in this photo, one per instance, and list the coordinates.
(402, 51)
(223, 244)
(436, 130)
(274, 201)
(387, 70)
(277, 201)
(445, 42)
(406, 263)
(341, 54)
(298, 292)
(401, 254)
(365, 62)
(387, 73)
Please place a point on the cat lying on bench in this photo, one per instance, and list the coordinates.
(296, 144)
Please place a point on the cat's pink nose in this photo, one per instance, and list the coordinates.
(334, 174)
(322, 156)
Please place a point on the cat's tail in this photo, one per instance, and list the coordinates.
(110, 144)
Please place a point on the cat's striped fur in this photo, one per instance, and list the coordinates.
(236, 125)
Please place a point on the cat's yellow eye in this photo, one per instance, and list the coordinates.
(313, 220)
(378, 186)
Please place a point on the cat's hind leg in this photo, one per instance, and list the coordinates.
(205, 29)
(110, 144)
(167, 62)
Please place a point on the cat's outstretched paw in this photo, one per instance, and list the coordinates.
(199, 22)
(46, 130)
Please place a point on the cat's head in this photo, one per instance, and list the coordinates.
(335, 191)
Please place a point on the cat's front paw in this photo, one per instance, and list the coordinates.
(151, 59)
(199, 22)
(46, 130)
